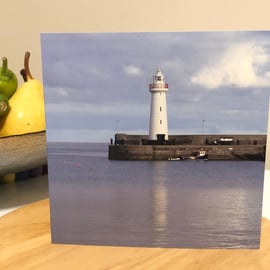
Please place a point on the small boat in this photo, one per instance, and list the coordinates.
(175, 158)
(202, 154)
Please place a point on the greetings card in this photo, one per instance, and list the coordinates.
(156, 139)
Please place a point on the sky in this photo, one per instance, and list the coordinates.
(97, 84)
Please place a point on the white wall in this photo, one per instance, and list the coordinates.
(23, 21)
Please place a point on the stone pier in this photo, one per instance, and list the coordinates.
(218, 147)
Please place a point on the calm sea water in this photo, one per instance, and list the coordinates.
(183, 204)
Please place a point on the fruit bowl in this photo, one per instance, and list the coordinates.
(22, 123)
(22, 152)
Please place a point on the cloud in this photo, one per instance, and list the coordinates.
(79, 135)
(108, 109)
(241, 65)
(61, 91)
(132, 70)
(94, 71)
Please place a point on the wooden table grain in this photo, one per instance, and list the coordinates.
(26, 244)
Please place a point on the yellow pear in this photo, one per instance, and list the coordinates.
(27, 114)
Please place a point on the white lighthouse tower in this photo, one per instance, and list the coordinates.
(158, 128)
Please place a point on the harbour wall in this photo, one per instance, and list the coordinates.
(218, 147)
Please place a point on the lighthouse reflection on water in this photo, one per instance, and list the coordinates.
(159, 204)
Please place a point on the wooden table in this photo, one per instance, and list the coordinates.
(25, 244)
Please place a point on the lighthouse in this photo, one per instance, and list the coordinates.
(158, 127)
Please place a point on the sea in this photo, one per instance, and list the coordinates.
(172, 204)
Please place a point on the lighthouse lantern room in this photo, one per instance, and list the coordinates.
(158, 128)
